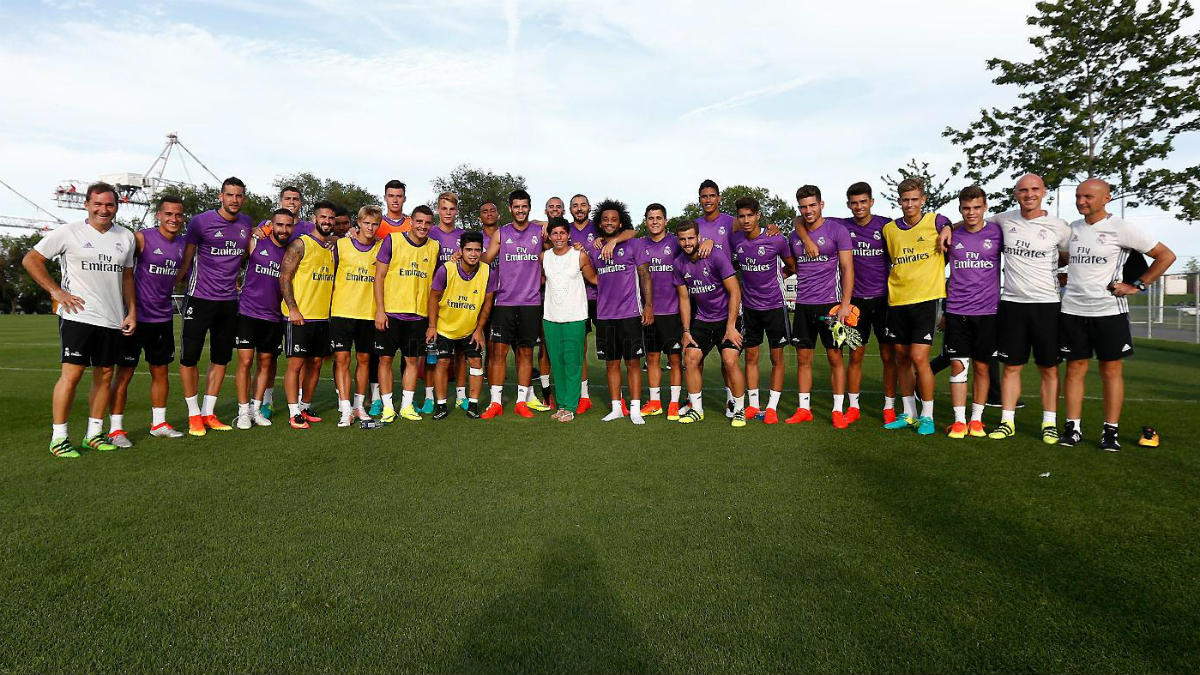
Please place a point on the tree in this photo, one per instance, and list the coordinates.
(936, 194)
(18, 292)
(774, 209)
(1109, 91)
(476, 186)
(1193, 266)
(315, 189)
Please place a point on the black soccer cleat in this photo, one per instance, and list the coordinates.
(473, 410)
(1109, 440)
(1071, 436)
(441, 411)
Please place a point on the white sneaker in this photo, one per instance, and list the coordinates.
(345, 417)
(165, 430)
(120, 439)
(243, 421)
(260, 420)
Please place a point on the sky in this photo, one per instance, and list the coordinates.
(638, 101)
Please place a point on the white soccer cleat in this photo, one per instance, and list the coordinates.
(261, 420)
(361, 415)
(345, 418)
(165, 430)
(243, 421)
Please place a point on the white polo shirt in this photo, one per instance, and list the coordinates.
(1031, 256)
(1097, 254)
(92, 264)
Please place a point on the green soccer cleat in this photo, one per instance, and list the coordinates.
(62, 448)
(691, 416)
(1003, 430)
(1049, 433)
(925, 426)
(536, 404)
(409, 413)
(99, 442)
(388, 415)
(901, 422)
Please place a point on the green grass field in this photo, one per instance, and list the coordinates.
(530, 546)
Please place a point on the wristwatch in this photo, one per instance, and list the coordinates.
(1138, 284)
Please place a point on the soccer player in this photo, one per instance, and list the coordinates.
(757, 255)
(159, 253)
(290, 198)
(916, 281)
(341, 221)
(1095, 311)
(260, 321)
(822, 281)
(352, 320)
(460, 300)
(446, 233)
(870, 297)
(306, 280)
(715, 228)
(489, 222)
(665, 334)
(972, 298)
(95, 308)
(394, 220)
(619, 320)
(712, 286)
(216, 243)
(517, 317)
(404, 268)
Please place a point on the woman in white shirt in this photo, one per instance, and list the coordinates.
(565, 313)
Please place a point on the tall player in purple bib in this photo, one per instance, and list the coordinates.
(215, 242)
(159, 255)
(665, 335)
(758, 255)
(823, 281)
(972, 297)
(619, 319)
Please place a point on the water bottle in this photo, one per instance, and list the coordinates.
(431, 353)
(370, 424)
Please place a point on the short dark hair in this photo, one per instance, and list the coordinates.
(557, 222)
(806, 191)
(394, 184)
(169, 199)
(488, 201)
(685, 225)
(283, 212)
(470, 237)
(613, 205)
(579, 194)
(746, 202)
(656, 207)
(291, 188)
(859, 188)
(232, 180)
(971, 192)
(423, 209)
(100, 187)
(325, 204)
(339, 211)
(910, 184)
(518, 194)
(708, 183)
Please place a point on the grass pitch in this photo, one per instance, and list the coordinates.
(530, 546)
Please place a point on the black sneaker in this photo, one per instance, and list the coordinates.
(1071, 436)
(1108, 439)
(473, 410)
(441, 411)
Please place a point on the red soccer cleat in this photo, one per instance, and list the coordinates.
(801, 415)
(751, 412)
(523, 410)
(839, 420)
(673, 411)
(298, 422)
(493, 410)
(889, 415)
(309, 416)
(652, 408)
(770, 416)
(852, 414)
(585, 404)
(215, 424)
(196, 425)
(624, 408)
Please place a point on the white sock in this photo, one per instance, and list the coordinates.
(616, 412)
(387, 400)
(656, 393)
(58, 431)
(460, 393)
(1009, 416)
(889, 402)
(254, 406)
(158, 416)
(116, 422)
(210, 405)
(752, 397)
(428, 393)
(406, 398)
(675, 391)
(739, 403)
(910, 405)
(243, 409)
(806, 401)
(522, 394)
(344, 405)
(773, 399)
(583, 390)
(960, 414)
(1078, 424)
(635, 412)
(193, 406)
(374, 391)
(854, 400)
(268, 396)
(95, 427)
(838, 401)
(357, 401)
(293, 409)
(694, 400)
(977, 412)
(300, 393)
(497, 393)
(927, 409)
(1049, 417)
(545, 380)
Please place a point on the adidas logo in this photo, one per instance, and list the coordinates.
(508, 241)
(920, 239)
(928, 336)
(958, 246)
(218, 234)
(1126, 348)
(158, 251)
(88, 244)
(263, 252)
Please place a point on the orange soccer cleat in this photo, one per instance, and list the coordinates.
(652, 407)
(770, 416)
(801, 415)
(852, 414)
(215, 424)
(839, 420)
(889, 415)
(673, 411)
(196, 425)
(493, 410)
(585, 404)
(522, 409)
(751, 412)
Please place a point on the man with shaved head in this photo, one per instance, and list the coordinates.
(1095, 311)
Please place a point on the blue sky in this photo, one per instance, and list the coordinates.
(633, 100)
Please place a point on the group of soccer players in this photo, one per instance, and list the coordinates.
(454, 302)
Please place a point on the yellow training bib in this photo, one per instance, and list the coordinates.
(409, 276)
(918, 268)
(354, 289)
(313, 283)
(458, 310)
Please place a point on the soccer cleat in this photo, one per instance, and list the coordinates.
(673, 412)
(852, 414)
(119, 438)
(215, 424)
(308, 415)
(462, 403)
(975, 429)
(98, 442)
(345, 417)
(261, 420)
(388, 415)
(1071, 436)
(63, 448)
(196, 425)
(265, 411)
(409, 413)
(425, 409)
(361, 415)
(901, 422)
(739, 419)
(1049, 433)
(1149, 438)
(164, 430)
(243, 421)
(473, 409)
(691, 416)
(624, 408)
(535, 403)
(925, 426)
(839, 420)
(493, 410)
(1003, 431)
(957, 430)
(1109, 439)
(298, 422)
(801, 415)
(729, 408)
(441, 411)
(523, 410)
(585, 404)
(652, 408)
(751, 412)
(889, 415)
(770, 416)
(376, 408)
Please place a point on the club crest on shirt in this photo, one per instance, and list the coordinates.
(1100, 238)
(666, 250)
(762, 250)
(1041, 234)
(620, 251)
(533, 239)
(721, 230)
(706, 272)
(987, 243)
(877, 235)
(821, 241)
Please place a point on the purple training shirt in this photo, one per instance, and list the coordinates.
(617, 281)
(261, 295)
(520, 268)
(758, 259)
(659, 256)
(719, 231)
(154, 275)
(870, 259)
(817, 279)
(704, 279)
(584, 236)
(974, 257)
(220, 246)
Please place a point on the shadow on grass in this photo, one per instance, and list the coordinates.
(564, 619)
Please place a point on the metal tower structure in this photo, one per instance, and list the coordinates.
(139, 189)
(39, 224)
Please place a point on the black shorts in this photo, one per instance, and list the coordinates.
(709, 334)
(1022, 327)
(912, 324)
(84, 344)
(970, 337)
(772, 322)
(157, 339)
(619, 339)
(201, 318)
(872, 316)
(406, 337)
(591, 314)
(345, 334)
(807, 323)
(264, 337)
(665, 335)
(448, 349)
(516, 326)
(308, 340)
(1108, 337)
